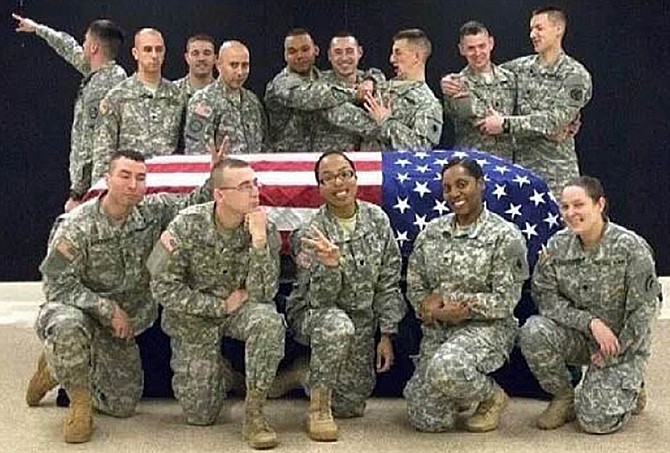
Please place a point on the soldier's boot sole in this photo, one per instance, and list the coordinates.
(322, 430)
(488, 421)
(40, 383)
(78, 425)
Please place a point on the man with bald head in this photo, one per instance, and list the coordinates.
(226, 109)
(143, 113)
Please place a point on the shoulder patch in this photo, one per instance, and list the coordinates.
(202, 109)
(104, 107)
(577, 94)
(66, 249)
(168, 241)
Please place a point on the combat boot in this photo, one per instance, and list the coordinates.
(78, 424)
(294, 377)
(41, 382)
(256, 430)
(641, 401)
(321, 425)
(488, 412)
(560, 411)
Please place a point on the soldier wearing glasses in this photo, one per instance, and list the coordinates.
(219, 275)
(347, 288)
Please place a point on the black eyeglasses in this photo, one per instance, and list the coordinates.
(345, 175)
(247, 186)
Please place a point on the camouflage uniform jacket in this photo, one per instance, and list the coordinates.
(616, 282)
(498, 93)
(294, 105)
(217, 111)
(548, 99)
(187, 91)
(92, 262)
(484, 265)
(208, 263)
(366, 282)
(134, 118)
(94, 86)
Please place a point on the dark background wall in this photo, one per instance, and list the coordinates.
(624, 137)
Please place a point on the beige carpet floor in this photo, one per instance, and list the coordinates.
(158, 426)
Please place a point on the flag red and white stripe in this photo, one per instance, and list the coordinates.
(288, 190)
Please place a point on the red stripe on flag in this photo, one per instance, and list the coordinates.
(203, 167)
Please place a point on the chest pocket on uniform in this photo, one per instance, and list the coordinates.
(105, 265)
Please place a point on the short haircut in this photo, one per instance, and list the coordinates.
(591, 185)
(298, 32)
(201, 37)
(343, 34)
(470, 165)
(416, 37)
(217, 173)
(472, 27)
(109, 34)
(554, 13)
(331, 153)
(128, 154)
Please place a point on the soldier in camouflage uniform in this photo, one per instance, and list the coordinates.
(226, 108)
(403, 113)
(98, 297)
(346, 288)
(597, 292)
(143, 113)
(485, 86)
(464, 279)
(94, 59)
(219, 276)
(552, 89)
(300, 103)
(200, 57)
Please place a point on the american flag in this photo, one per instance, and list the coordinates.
(406, 184)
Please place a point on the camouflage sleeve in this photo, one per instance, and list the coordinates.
(316, 284)
(459, 107)
(573, 95)
(105, 137)
(388, 303)
(376, 75)
(63, 269)
(262, 282)
(550, 302)
(352, 119)
(509, 271)
(65, 46)
(293, 92)
(81, 154)
(423, 134)
(642, 300)
(144, 316)
(200, 125)
(418, 283)
(165, 206)
(169, 265)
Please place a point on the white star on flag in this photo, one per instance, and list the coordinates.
(460, 154)
(438, 177)
(529, 231)
(514, 210)
(551, 220)
(482, 162)
(401, 237)
(441, 162)
(521, 180)
(402, 177)
(421, 154)
(423, 168)
(421, 188)
(537, 198)
(441, 206)
(402, 205)
(402, 162)
(420, 221)
(502, 169)
(499, 191)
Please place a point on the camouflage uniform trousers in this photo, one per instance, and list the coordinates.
(81, 352)
(199, 381)
(607, 396)
(452, 370)
(342, 356)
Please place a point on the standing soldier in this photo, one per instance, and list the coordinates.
(98, 298)
(143, 113)
(485, 86)
(200, 57)
(219, 276)
(95, 61)
(226, 108)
